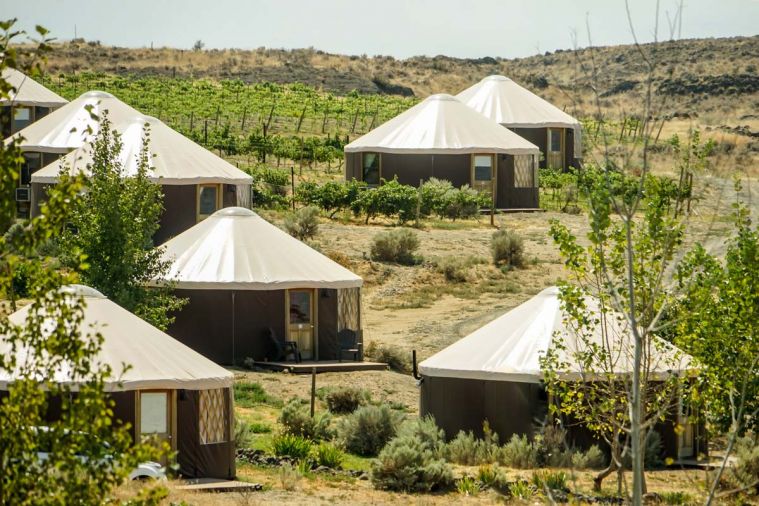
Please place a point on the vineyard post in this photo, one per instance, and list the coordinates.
(205, 132)
(242, 124)
(192, 120)
(292, 185)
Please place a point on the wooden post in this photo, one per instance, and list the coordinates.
(205, 132)
(292, 185)
(313, 390)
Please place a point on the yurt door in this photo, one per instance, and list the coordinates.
(555, 148)
(156, 416)
(686, 434)
(483, 174)
(301, 320)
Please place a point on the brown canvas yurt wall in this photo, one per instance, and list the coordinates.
(517, 408)
(410, 169)
(180, 209)
(209, 323)
(197, 459)
(539, 137)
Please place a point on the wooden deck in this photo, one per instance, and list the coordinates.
(217, 485)
(306, 366)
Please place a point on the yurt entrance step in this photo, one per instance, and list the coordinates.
(306, 366)
(216, 485)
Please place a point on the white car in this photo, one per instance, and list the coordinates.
(144, 471)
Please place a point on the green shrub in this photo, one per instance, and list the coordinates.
(397, 246)
(259, 428)
(653, 455)
(507, 248)
(551, 443)
(594, 458)
(297, 420)
(243, 434)
(466, 202)
(412, 461)
(389, 199)
(455, 269)
(395, 359)
(368, 429)
(468, 449)
(247, 395)
(303, 223)
(332, 196)
(21, 279)
(328, 455)
(551, 480)
(269, 187)
(519, 453)
(291, 445)
(676, 498)
(346, 399)
(467, 486)
(434, 195)
(441, 198)
(521, 490)
(491, 476)
(289, 477)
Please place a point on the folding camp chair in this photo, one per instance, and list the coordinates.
(348, 340)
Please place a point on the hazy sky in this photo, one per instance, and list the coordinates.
(473, 28)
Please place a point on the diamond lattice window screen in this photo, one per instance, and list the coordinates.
(349, 309)
(524, 172)
(213, 416)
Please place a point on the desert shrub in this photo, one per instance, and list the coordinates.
(303, 223)
(397, 246)
(368, 429)
(247, 395)
(328, 455)
(289, 477)
(412, 461)
(439, 197)
(346, 399)
(519, 453)
(468, 486)
(465, 202)
(507, 248)
(593, 458)
(395, 359)
(291, 445)
(468, 449)
(551, 480)
(491, 475)
(745, 471)
(551, 443)
(243, 434)
(456, 268)
(297, 420)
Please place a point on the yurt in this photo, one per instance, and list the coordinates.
(160, 386)
(443, 138)
(28, 102)
(494, 374)
(556, 133)
(253, 288)
(195, 182)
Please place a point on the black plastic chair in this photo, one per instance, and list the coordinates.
(348, 341)
(277, 350)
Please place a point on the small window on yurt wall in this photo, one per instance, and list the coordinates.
(370, 171)
(22, 117)
(213, 416)
(482, 173)
(209, 200)
(524, 171)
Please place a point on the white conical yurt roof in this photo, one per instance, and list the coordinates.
(441, 124)
(236, 249)
(29, 92)
(505, 102)
(73, 125)
(510, 347)
(155, 359)
(174, 159)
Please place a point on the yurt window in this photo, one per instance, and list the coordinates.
(209, 200)
(524, 171)
(213, 416)
(155, 414)
(482, 173)
(371, 168)
(22, 117)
